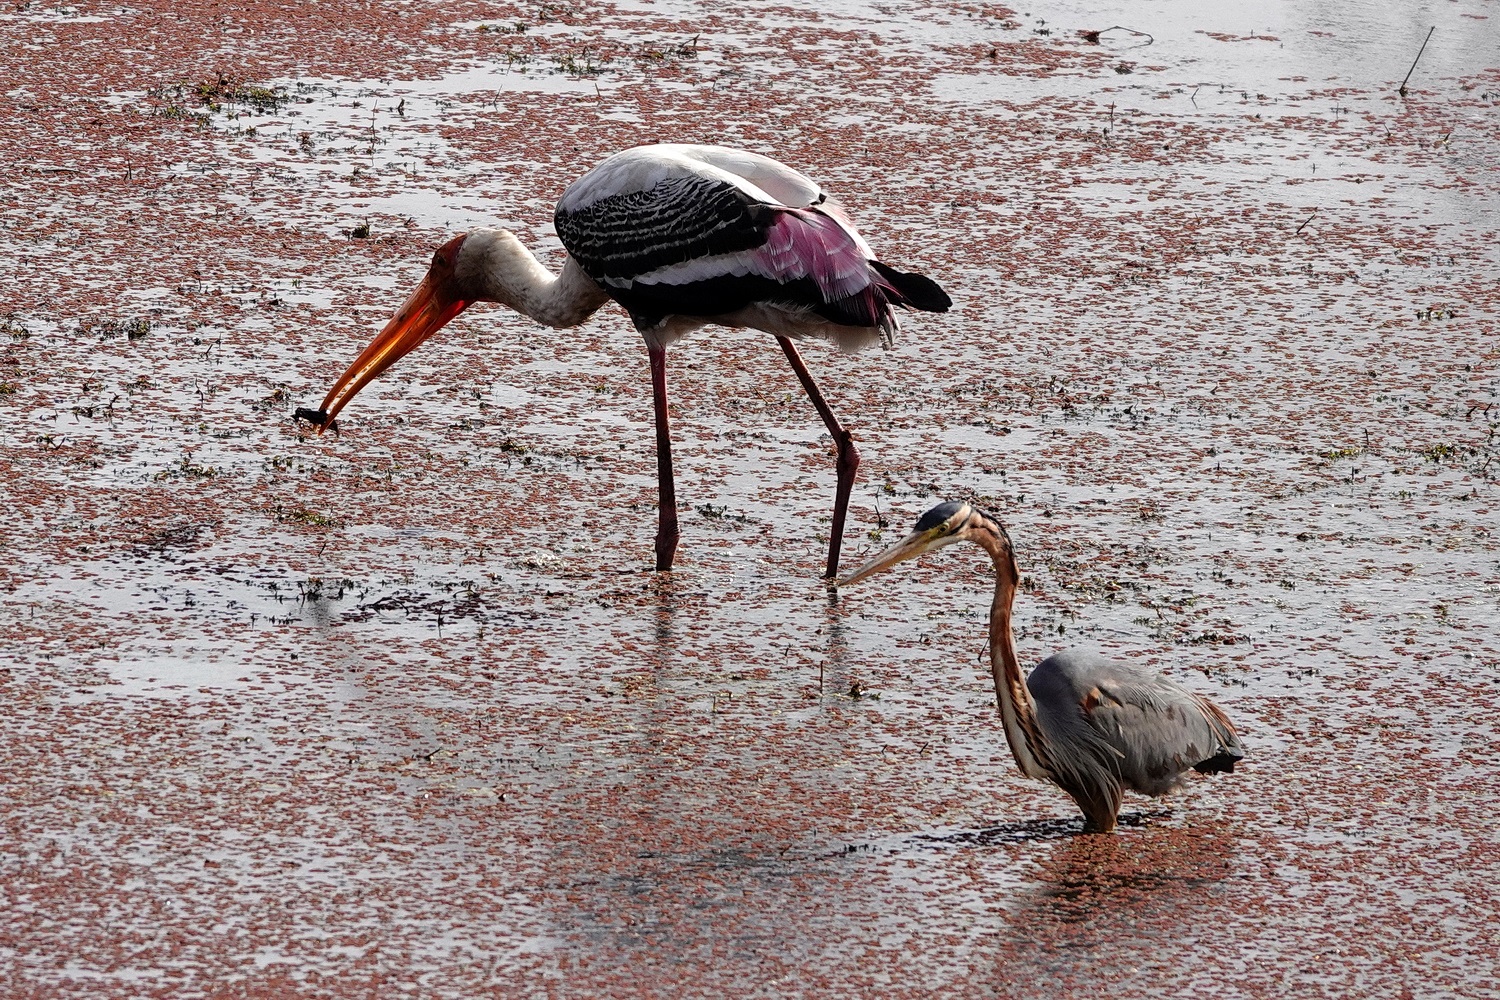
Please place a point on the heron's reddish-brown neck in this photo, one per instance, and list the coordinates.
(1017, 710)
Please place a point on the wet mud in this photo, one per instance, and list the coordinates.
(400, 711)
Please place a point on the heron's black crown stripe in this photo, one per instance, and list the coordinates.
(1221, 763)
(937, 515)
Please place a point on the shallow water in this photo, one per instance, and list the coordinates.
(402, 706)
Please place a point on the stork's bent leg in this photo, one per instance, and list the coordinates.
(666, 529)
(843, 443)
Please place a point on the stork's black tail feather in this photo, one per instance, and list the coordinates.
(915, 290)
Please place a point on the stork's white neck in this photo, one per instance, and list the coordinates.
(493, 266)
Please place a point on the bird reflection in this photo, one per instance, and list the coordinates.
(1101, 908)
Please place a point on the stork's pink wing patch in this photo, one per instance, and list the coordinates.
(803, 243)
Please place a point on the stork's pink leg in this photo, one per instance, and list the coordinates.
(666, 530)
(848, 455)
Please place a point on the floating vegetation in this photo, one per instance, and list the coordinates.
(279, 398)
(108, 329)
(303, 515)
(716, 513)
(185, 101)
(186, 469)
(225, 91)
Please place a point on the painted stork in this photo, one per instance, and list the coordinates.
(681, 236)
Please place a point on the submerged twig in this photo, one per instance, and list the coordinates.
(1093, 36)
(1402, 89)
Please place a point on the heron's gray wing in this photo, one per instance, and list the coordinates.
(1155, 728)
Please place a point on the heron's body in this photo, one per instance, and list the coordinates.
(1134, 725)
(681, 236)
(1091, 725)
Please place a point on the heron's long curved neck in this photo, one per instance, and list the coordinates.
(1017, 709)
(509, 274)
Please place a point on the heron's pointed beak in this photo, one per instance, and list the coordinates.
(909, 547)
(427, 310)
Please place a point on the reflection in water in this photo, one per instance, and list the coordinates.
(663, 627)
(700, 839)
(836, 664)
(1026, 831)
(1110, 908)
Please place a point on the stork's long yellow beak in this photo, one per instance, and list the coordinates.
(909, 547)
(428, 309)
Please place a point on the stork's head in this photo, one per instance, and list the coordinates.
(954, 521)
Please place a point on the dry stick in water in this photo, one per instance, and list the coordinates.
(1093, 36)
(1402, 89)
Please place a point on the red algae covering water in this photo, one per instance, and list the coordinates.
(398, 711)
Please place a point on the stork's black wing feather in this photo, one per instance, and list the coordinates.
(678, 219)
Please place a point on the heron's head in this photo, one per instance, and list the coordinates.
(954, 521)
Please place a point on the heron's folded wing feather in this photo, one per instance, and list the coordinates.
(780, 182)
(1157, 729)
(1160, 729)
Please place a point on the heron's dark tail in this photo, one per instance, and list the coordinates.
(1230, 750)
(1221, 763)
(915, 290)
